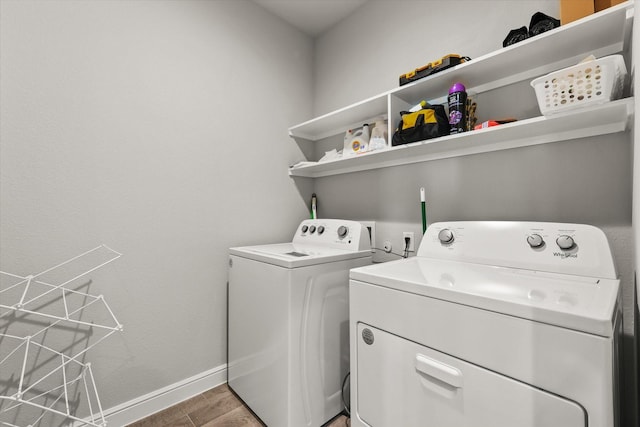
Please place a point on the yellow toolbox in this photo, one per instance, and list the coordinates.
(443, 63)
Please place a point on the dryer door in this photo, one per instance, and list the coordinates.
(401, 383)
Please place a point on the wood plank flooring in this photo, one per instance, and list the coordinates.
(218, 407)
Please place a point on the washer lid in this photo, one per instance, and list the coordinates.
(295, 255)
(574, 302)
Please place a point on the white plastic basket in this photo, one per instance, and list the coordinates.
(591, 82)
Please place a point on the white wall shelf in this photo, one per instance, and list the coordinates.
(603, 119)
(341, 120)
(604, 33)
(600, 34)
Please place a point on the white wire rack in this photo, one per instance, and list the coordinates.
(51, 383)
(69, 377)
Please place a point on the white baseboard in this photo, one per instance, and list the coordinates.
(143, 406)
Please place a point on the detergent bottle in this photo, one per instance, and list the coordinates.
(348, 135)
(358, 142)
(379, 136)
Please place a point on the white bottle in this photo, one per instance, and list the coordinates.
(359, 141)
(347, 140)
(379, 135)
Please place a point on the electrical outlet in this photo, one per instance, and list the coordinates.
(411, 246)
(371, 228)
(387, 246)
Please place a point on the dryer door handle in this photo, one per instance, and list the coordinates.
(438, 370)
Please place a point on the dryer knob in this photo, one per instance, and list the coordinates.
(535, 240)
(320, 229)
(565, 242)
(312, 229)
(445, 236)
(342, 231)
(304, 228)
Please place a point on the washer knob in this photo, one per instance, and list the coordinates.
(304, 228)
(565, 242)
(535, 240)
(312, 229)
(445, 235)
(342, 231)
(321, 229)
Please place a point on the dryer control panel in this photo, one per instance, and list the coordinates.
(333, 233)
(553, 247)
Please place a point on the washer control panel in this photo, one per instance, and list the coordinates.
(446, 236)
(336, 233)
(554, 247)
(535, 240)
(565, 242)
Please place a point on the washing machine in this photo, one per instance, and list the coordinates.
(288, 333)
(496, 324)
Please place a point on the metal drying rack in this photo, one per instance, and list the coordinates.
(33, 384)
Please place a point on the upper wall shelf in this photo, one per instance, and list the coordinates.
(603, 33)
(603, 119)
(341, 120)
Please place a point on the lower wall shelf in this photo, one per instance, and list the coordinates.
(612, 117)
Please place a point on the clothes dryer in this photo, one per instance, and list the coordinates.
(496, 324)
(288, 322)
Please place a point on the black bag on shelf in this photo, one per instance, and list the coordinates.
(430, 122)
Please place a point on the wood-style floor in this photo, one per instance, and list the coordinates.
(217, 407)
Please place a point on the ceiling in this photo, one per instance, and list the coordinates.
(313, 17)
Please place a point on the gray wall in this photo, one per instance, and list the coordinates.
(160, 129)
(583, 181)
